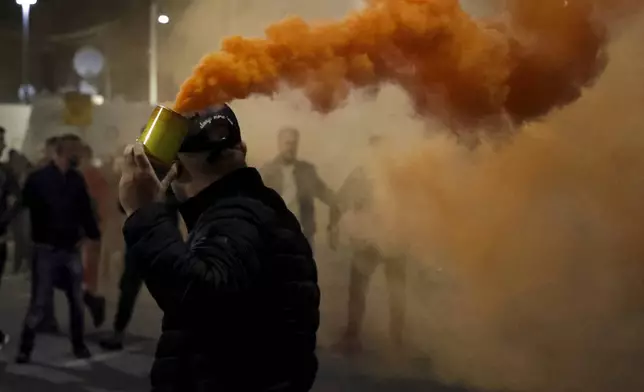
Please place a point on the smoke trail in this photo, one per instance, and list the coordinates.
(540, 242)
(450, 64)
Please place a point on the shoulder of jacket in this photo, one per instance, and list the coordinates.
(240, 207)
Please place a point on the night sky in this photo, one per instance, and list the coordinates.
(63, 16)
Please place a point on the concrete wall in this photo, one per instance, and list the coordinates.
(15, 120)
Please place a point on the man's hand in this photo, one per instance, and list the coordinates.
(139, 184)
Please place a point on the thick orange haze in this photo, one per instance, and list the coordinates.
(535, 57)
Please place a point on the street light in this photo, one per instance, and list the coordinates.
(26, 7)
(155, 17)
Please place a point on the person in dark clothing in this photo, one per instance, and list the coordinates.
(9, 203)
(60, 211)
(49, 324)
(240, 297)
(9, 206)
(21, 167)
(95, 303)
(299, 183)
(129, 286)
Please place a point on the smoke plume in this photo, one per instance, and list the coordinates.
(535, 57)
(538, 241)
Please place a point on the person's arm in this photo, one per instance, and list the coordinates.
(327, 196)
(348, 193)
(86, 212)
(221, 260)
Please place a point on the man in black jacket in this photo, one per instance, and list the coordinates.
(60, 211)
(240, 298)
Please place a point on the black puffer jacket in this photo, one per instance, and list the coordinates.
(240, 299)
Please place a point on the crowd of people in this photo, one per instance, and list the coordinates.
(238, 290)
(53, 210)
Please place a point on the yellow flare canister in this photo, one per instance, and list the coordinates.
(163, 135)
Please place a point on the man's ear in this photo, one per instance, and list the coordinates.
(183, 175)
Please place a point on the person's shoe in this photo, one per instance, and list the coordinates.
(4, 339)
(23, 357)
(82, 352)
(96, 305)
(113, 343)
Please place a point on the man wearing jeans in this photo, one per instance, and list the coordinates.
(61, 211)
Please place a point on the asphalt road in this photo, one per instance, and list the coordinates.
(55, 370)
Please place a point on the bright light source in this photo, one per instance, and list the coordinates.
(164, 19)
(98, 100)
(26, 2)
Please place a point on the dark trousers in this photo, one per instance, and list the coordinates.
(366, 259)
(22, 247)
(64, 269)
(130, 285)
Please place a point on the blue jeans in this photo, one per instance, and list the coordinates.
(63, 268)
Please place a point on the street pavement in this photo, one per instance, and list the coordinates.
(55, 370)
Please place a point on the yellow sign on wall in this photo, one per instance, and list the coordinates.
(78, 109)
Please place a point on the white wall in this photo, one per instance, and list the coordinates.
(15, 119)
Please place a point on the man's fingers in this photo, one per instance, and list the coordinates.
(128, 157)
(165, 183)
(167, 180)
(140, 158)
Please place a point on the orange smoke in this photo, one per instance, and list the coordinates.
(450, 64)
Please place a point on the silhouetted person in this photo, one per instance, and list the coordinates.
(9, 207)
(21, 167)
(356, 196)
(240, 298)
(298, 183)
(61, 212)
(9, 203)
(49, 324)
(129, 287)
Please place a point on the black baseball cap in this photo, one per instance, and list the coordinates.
(199, 138)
